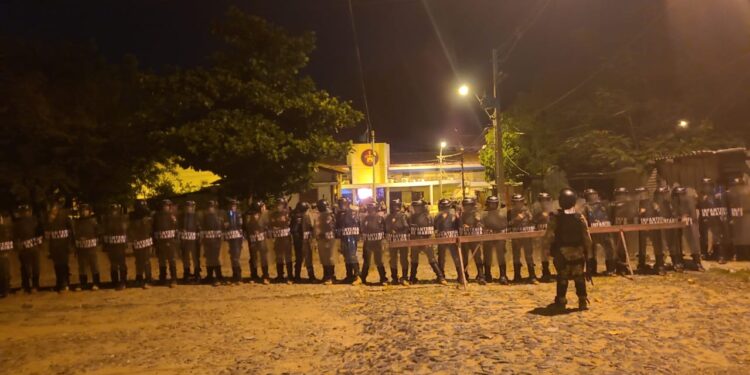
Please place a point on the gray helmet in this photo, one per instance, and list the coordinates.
(256, 206)
(622, 191)
(588, 192)
(418, 203)
(396, 205)
(662, 190)
(517, 198)
(492, 201)
(444, 204)
(343, 202)
(567, 198)
(323, 205)
(735, 181)
(544, 196)
(468, 201)
(302, 207)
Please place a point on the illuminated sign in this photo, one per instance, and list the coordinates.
(369, 157)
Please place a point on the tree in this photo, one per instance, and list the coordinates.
(251, 117)
(72, 123)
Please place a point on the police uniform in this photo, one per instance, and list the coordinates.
(140, 234)
(397, 229)
(165, 234)
(280, 231)
(114, 242)
(597, 214)
(669, 237)
(347, 222)
(233, 237)
(521, 221)
(58, 233)
(211, 225)
(568, 235)
(6, 247)
(190, 249)
(738, 202)
(713, 218)
(28, 235)
(686, 211)
(495, 220)
(624, 212)
(256, 226)
(648, 213)
(86, 235)
(447, 225)
(373, 233)
(471, 225)
(422, 226)
(324, 229)
(541, 216)
(302, 236)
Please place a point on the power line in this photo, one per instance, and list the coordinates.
(359, 65)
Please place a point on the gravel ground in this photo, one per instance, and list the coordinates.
(677, 324)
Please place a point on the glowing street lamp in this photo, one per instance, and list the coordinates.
(463, 90)
(683, 124)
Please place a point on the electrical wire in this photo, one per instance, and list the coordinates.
(359, 65)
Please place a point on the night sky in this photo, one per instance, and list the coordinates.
(416, 52)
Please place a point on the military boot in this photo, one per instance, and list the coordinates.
(115, 277)
(404, 274)
(219, 276)
(438, 274)
(546, 274)
(82, 283)
(266, 275)
(328, 272)
(722, 253)
(25, 280)
(532, 274)
(559, 303)
(172, 276)
(394, 275)
(123, 280)
(290, 273)
(162, 275)
(355, 274)
(65, 282)
(591, 267)
(298, 271)
(503, 274)
(35, 283)
(347, 278)
(488, 272)
(236, 275)
(383, 276)
(610, 267)
(659, 265)
(280, 273)
(698, 264)
(253, 272)
(186, 275)
(677, 262)
(311, 275)
(583, 303)
(480, 274)
(365, 271)
(413, 274)
(517, 273)
(642, 268)
(95, 282)
(196, 275)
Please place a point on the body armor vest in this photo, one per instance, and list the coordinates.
(373, 227)
(57, 230)
(6, 235)
(348, 222)
(188, 226)
(421, 224)
(446, 225)
(495, 221)
(255, 227)
(233, 226)
(520, 220)
(114, 229)
(712, 207)
(211, 226)
(326, 226)
(597, 214)
(165, 226)
(648, 212)
(278, 224)
(568, 230)
(86, 232)
(397, 226)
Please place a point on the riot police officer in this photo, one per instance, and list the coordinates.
(713, 220)
(279, 226)
(57, 232)
(233, 237)
(256, 226)
(28, 234)
(373, 232)
(302, 237)
(648, 213)
(494, 221)
(347, 221)
(669, 237)
(568, 236)
(521, 221)
(597, 214)
(190, 249)
(211, 224)
(324, 229)
(6, 247)
(447, 224)
(422, 226)
(542, 212)
(86, 235)
(140, 232)
(114, 239)
(624, 212)
(397, 229)
(471, 225)
(686, 211)
(738, 202)
(165, 234)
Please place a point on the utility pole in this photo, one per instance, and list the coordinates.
(463, 183)
(496, 123)
(375, 160)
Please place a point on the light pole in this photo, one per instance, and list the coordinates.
(440, 167)
(683, 124)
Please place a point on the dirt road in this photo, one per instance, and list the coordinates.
(681, 323)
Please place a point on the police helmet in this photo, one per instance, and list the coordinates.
(736, 181)
(640, 189)
(85, 207)
(23, 208)
(622, 191)
(418, 203)
(371, 205)
(663, 189)
(444, 204)
(233, 202)
(544, 196)
(680, 190)
(322, 205)
(468, 201)
(492, 201)
(213, 204)
(256, 206)
(189, 203)
(517, 198)
(302, 207)
(567, 198)
(343, 202)
(141, 204)
(115, 208)
(166, 203)
(396, 205)
(707, 181)
(281, 201)
(588, 192)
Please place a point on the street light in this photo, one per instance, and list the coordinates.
(440, 168)
(683, 124)
(463, 90)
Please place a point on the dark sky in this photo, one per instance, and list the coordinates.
(414, 52)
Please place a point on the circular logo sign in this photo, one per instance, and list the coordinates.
(369, 157)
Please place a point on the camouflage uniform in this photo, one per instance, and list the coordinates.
(6, 247)
(521, 221)
(568, 235)
(397, 229)
(324, 229)
(211, 225)
(114, 239)
(141, 230)
(86, 235)
(233, 237)
(279, 222)
(58, 233)
(471, 225)
(447, 226)
(597, 214)
(495, 220)
(256, 226)
(422, 226)
(190, 248)
(165, 234)
(373, 232)
(302, 236)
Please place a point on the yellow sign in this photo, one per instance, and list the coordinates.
(363, 159)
